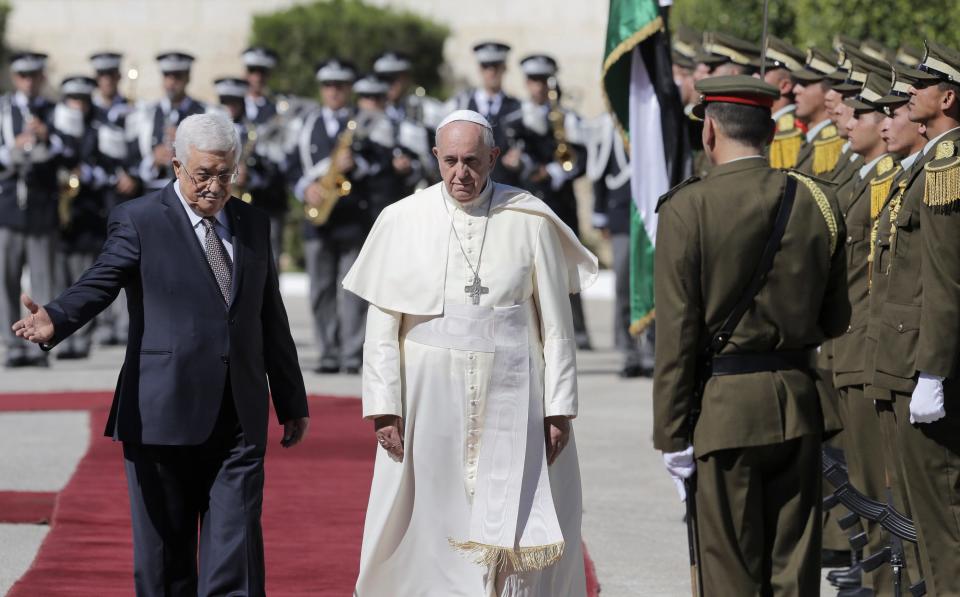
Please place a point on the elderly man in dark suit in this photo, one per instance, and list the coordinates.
(209, 341)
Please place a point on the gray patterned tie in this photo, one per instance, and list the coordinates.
(218, 258)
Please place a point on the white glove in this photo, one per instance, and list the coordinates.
(680, 465)
(926, 402)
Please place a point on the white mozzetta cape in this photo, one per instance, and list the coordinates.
(403, 264)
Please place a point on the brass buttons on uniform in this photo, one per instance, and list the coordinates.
(900, 327)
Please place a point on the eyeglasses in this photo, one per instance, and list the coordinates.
(203, 179)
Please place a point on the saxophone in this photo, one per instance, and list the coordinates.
(563, 154)
(246, 154)
(334, 184)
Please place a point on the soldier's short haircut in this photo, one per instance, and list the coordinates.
(955, 88)
(749, 125)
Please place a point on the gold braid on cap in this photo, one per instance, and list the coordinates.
(941, 192)
(824, 204)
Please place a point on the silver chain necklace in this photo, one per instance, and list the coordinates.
(476, 289)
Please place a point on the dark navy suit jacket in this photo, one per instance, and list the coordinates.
(185, 342)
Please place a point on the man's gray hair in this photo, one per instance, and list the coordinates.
(211, 132)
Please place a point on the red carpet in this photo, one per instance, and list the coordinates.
(88, 550)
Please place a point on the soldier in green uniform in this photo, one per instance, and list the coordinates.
(788, 137)
(756, 446)
(916, 351)
(862, 441)
(821, 151)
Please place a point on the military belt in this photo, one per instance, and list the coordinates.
(757, 362)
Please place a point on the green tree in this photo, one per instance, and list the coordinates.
(742, 18)
(815, 22)
(304, 35)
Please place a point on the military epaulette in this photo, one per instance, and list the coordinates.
(786, 123)
(942, 189)
(785, 148)
(666, 196)
(881, 184)
(827, 148)
(822, 203)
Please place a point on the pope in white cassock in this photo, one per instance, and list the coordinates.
(470, 376)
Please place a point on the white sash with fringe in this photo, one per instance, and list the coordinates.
(513, 519)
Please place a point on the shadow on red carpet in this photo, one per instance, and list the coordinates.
(88, 550)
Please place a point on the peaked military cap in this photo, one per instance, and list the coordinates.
(105, 61)
(877, 51)
(174, 62)
(335, 70)
(858, 64)
(816, 67)
(491, 52)
(875, 87)
(939, 63)
(685, 46)
(28, 62)
(735, 89)
(259, 57)
(899, 93)
(370, 85)
(704, 56)
(77, 85)
(391, 63)
(909, 56)
(780, 54)
(231, 87)
(538, 65)
(736, 50)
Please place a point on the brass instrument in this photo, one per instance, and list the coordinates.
(564, 153)
(334, 184)
(246, 158)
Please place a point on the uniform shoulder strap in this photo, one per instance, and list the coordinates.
(784, 208)
(822, 203)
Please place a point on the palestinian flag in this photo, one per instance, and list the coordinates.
(640, 92)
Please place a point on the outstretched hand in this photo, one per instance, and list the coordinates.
(36, 327)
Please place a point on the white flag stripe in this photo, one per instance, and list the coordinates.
(649, 181)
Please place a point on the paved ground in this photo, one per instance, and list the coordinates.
(632, 518)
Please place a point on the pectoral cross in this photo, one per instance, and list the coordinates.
(475, 290)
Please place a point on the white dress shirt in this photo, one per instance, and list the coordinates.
(222, 226)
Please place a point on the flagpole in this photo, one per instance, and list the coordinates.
(763, 40)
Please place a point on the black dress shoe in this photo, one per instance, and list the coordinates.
(351, 370)
(14, 362)
(846, 578)
(40, 361)
(630, 371)
(327, 369)
(70, 355)
(584, 344)
(111, 341)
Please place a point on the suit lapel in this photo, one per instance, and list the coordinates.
(240, 239)
(187, 237)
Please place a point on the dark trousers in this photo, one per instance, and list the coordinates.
(339, 316)
(216, 486)
(759, 512)
(867, 466)
(930, 459)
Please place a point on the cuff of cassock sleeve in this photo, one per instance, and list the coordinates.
(560, 377)
(381, 379)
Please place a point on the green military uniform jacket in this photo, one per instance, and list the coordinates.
(917, 319)
(709, 238)
(881, 235)
(848, 364)
(822, 153)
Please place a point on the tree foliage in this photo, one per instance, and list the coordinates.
(815, 22)
(306, 34)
